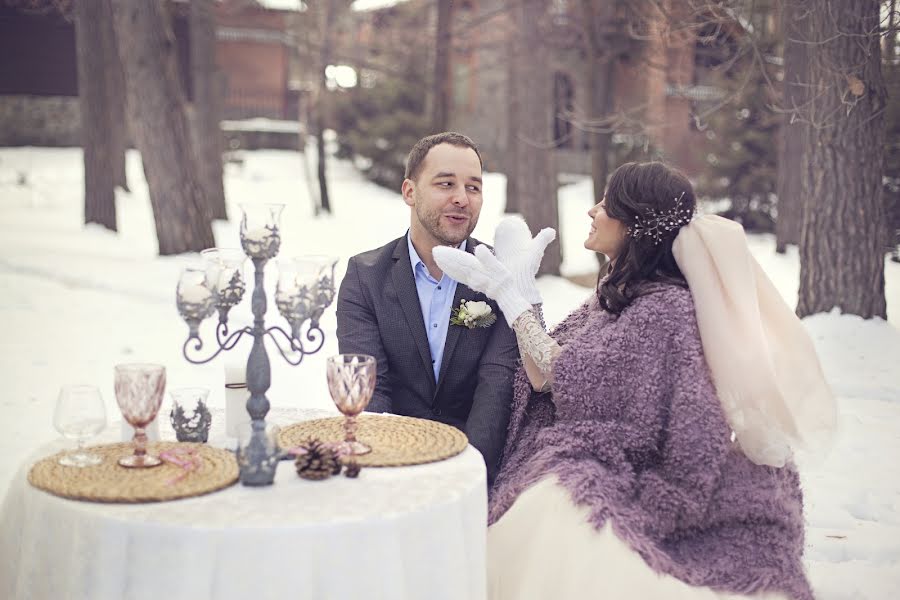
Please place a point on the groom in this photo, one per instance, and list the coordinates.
(395, 304)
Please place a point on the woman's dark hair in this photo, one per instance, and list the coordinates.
(637, 194)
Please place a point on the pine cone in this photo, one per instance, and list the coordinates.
(318, 462)
(352, 469)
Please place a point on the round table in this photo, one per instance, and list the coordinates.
(393, 533)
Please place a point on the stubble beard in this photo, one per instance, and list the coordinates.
(431, 221)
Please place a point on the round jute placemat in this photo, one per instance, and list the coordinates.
(109, 482)
(396, 441)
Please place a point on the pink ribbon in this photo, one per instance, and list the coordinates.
(185, 459)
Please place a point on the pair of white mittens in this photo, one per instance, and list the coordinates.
(508, 276)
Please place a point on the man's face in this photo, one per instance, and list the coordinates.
(446, 196)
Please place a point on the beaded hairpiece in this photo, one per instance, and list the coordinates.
(656, 224)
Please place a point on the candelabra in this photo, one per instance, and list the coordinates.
(305, 289)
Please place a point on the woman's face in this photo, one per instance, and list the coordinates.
(607, 235)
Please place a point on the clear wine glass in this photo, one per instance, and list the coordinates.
(139, 392)
(351, 382)
(79, 415)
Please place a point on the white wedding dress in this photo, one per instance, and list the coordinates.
(544, 548)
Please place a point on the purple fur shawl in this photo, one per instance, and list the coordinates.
(633, 429)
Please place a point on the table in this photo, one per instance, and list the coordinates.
(393, 534)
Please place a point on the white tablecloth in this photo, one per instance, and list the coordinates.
(393, 534)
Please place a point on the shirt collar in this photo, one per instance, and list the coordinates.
(414, 258)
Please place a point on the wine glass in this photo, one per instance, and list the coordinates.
(351, 382)
(79, 415)
(139, 392)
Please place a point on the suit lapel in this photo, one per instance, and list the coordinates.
(408, 296)
(463, 292)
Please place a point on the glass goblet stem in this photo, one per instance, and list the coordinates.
(351, 444)
(140, 441)
(350, 430)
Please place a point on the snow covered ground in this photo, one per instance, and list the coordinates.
(75, 301)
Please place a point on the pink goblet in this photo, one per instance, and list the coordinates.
(351, 381)
(139, 392)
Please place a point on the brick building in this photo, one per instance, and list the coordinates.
(39, 80)
(657, 87)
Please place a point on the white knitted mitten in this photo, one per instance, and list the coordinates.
(522, 254)
(483, 273)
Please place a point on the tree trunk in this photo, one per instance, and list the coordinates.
(601, 140)
(442, 79)
(599, 82)
(794, 27)
(843, 234)
(118, 113)
(536, 161)
(161, 127)
(326, 33)
(96, 58)
(207, 106)
(513, 123)
(890, 40)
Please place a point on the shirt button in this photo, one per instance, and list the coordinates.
(432, 361)
(434, 324)
(437, 412)
(439, 287)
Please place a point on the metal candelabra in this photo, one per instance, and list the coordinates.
(305, 289)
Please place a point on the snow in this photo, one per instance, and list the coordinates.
(75, 300)
(262, 124)
(285, 5)
(299, 5)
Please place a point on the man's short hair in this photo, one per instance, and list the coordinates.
(420, 150)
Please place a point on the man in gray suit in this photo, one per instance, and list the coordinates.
(395, 303)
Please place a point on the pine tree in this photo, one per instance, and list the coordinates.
(379, 124)
(742, 153)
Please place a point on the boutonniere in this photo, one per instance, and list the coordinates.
(472, 314)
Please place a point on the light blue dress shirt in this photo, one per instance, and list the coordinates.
(436, 301)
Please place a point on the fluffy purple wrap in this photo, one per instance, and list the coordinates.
(633, 429)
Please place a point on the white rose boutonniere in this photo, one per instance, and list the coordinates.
(473, 314)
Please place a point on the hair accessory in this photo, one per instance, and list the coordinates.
(656, 224)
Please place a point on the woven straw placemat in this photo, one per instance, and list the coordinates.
(109, 482)
(395, 440)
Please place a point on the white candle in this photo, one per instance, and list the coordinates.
(259, 235)
(225, 279)
(236, 395)
(195, 294)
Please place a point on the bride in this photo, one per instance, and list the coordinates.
(649, 450)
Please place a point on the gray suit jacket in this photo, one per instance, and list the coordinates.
(378, 313)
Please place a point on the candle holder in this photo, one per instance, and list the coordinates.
(225, 266)
(189, 416)
(258, 453)
(194, 297)
(305, 290)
